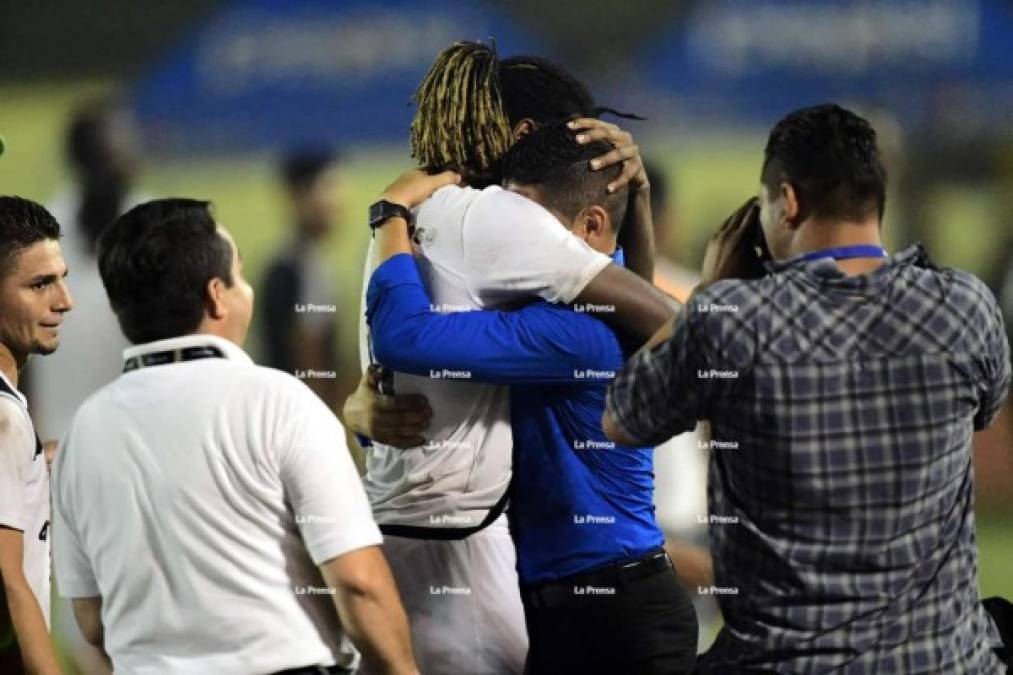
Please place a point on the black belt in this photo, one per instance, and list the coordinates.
(172, 356)
(316, 670)
(448, 533)
(558, 592)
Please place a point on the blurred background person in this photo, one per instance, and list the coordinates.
(675, 279)
(102, 151)
(300, 301)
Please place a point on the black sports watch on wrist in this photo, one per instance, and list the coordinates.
(382, 211)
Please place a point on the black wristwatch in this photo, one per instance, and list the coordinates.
(382, 211)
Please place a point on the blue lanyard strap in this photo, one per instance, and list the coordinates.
(846, 252)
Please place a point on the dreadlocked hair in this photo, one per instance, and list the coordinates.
(460, 122)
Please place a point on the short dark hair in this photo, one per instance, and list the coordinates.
(156, 261)
(829, 156)
(550, 158)
(22, 224)
(300, 167)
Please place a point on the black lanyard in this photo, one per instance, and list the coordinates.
(172, 356)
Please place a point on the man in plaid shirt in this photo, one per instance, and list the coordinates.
(843, 388)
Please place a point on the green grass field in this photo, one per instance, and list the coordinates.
(712, 175)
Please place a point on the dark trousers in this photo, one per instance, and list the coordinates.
(1001, 611)
(632, 618)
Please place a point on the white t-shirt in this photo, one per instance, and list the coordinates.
(24, 490)
(477, 249)
(197, 499)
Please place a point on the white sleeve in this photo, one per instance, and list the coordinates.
(75, 577)
(12, 465)
(515, 248)
(323, 486)
(367, 271)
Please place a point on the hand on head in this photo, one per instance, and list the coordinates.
(626, 152)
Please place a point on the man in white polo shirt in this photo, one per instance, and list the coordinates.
(33, 300)
(207, 515)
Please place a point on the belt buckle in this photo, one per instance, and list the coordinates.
(646, 564)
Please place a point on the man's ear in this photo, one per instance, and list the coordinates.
(215, 293)
(596, 222)
(792, 210)
(523, 128)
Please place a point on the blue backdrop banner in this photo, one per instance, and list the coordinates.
(755, 60)
(264, 74)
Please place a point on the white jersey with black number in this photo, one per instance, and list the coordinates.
(476, 249)
(24, 489)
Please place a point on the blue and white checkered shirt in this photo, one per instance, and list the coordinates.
(841, 484)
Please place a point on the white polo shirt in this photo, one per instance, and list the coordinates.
(477, 249)
(197, 499)
(24, 490)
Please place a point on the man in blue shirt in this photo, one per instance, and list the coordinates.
(599, 593)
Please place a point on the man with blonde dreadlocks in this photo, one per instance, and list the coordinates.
(440, 501)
